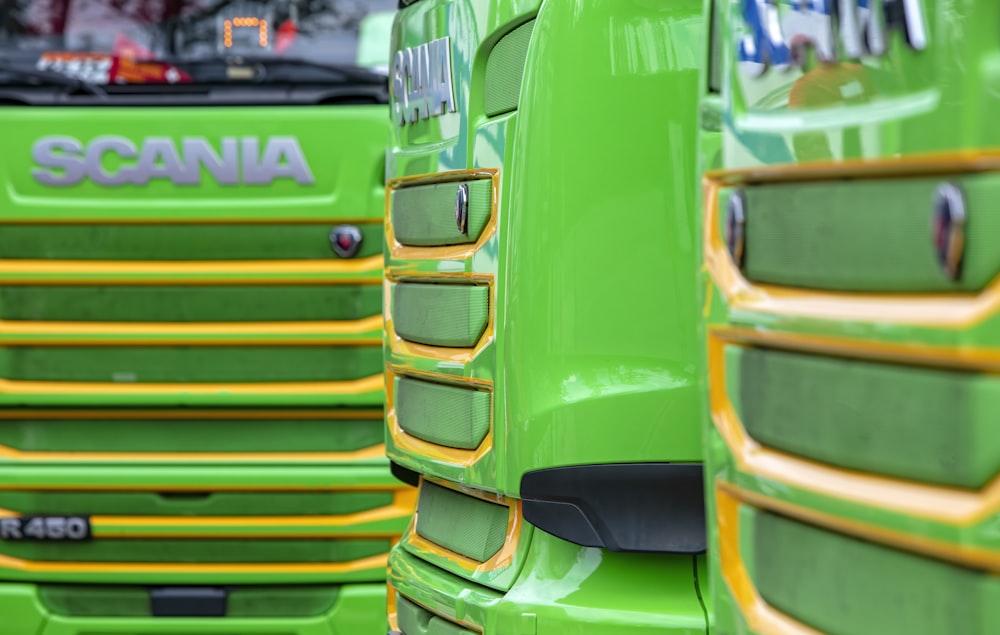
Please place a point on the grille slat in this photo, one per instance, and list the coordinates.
(469, 526)
(197, 551)
(870, 236)
(838, 584)
(445, 415)
(425, 215)
(448, 315)
(190, 304)
(930, 425)
(171, 242)
(191, 364)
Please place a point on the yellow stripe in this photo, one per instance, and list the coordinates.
(761, 617)
(241, 272)
(205, 334)
(199, 220)
(185, 414)
(31, 566)
(352, 387)
(200, 487)
(391, 602)
(365, 454)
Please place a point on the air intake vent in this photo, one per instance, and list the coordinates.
(505, 71)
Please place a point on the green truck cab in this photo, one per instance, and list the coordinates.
(852, 333)
(191, 381)
(540, 322)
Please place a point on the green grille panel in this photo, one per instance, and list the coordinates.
(425, 215)
(929, 425)
(188, 504)
(444, 415)
(178, 242)
(129, 601)
(151, 434)
(842, 586)
(440, 314)
(189, 364)
(414, 620)
(505, 71)
(197, 550)
(264, 303)
(95, 601)
(464, 524)
(864, 235)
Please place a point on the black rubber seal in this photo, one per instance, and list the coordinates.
(639, 507)
(404, 474)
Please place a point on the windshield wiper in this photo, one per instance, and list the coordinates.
(52, 77)
(350, 72)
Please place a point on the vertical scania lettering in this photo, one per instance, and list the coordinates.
(853, 331)
(541, 350)
(190, 318)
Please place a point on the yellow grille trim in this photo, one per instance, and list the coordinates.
(203, 334)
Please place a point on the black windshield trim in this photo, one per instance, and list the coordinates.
(269, 95)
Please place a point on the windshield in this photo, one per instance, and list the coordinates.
(116, 42)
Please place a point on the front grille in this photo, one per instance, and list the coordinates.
(179, 348)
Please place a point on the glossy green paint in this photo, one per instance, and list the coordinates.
(902, 111)
(565, 589)
(120, 297)
(599, 323)
(590, 352)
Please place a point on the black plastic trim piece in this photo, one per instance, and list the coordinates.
(188, 602)
(639, 507)
(404, 474)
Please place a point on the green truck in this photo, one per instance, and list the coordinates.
(851, 318)
(612, 223)
(191, 383)
(541, 354)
